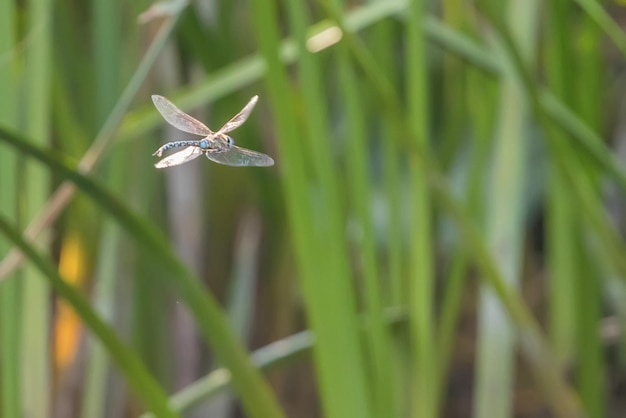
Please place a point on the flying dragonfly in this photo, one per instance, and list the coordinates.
(217, 146)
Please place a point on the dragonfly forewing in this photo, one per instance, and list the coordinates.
(240, 117)
(179, 119)
(240, 157)
(180, 157)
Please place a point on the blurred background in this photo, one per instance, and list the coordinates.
(441, 234)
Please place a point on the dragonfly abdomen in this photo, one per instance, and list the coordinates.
(176, 144)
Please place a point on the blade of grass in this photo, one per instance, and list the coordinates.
(556, 391)
(250, 69)
(255, 395)
(383, 37)
(460, 263)
(274, 356)
(421, 279)
(106, 33)
(589, 91)
(61, 197)
(106, 41)
(453, 91)
(35, 302)
(244, 284)
(383, 383)
(562, 230)
(451, 306)
(10, 313)
(589, 142)
(377, 340)
(562, 400)
(127, 360)
(242, 293)
(596, 12)
(505, 226)
(584, 190)
(579, 183)
(479, 85)
(326, 288)
(247, 70)
(559, 395)
(591, 373)
(97, 369)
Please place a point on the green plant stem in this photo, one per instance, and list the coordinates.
(10, 307)
(421, 279)
(258, 401)
(35, 303)
(128, 362)
(62, 196)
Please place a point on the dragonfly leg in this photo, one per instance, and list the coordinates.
(175, 144)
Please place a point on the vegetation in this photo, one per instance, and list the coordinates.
(442, 234)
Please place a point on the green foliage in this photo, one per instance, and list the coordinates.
(442, 167)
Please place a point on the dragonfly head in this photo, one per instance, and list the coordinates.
(229, 141)
(204, 144)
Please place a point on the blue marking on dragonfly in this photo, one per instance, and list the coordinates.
(216, 146)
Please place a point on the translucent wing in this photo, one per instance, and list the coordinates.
(240, 117)
(239, 157)
(179, 119)
(180, 157)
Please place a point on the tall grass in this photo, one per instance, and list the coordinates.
(9, 297)
(439, 205)
(505, 208)
(34, 329)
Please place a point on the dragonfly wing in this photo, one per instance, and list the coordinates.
(240, 157)
(180, 157)
(179, 119)
(240, 117)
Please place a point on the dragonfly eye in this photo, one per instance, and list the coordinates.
(204, 144)
(230, 141)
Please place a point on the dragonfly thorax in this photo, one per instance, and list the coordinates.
(220, 143)
(217, 143)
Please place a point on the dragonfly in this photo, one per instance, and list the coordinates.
(216, 146)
